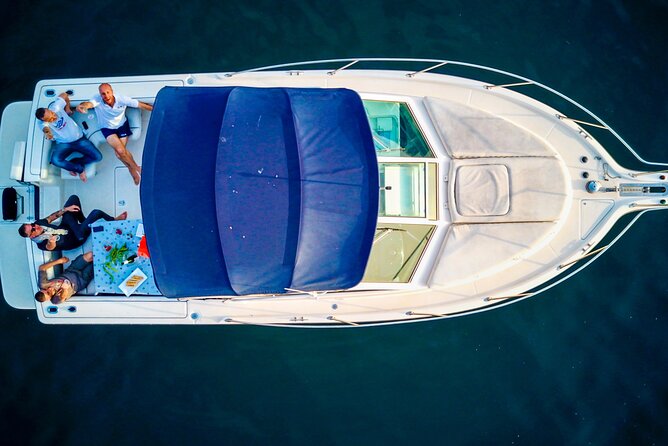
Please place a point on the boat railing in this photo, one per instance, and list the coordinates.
(494, 301)
(442, 66)
(518, 81)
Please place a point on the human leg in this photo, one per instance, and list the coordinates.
(83, 267)
(124, 140)
(89, 153)
(74, 199)
(59, 154)
(78, 264)
(82, 230)
(125, 156)
(87, 274)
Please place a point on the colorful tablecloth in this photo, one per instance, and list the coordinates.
(110, 237)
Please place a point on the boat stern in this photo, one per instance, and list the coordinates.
(18, 206)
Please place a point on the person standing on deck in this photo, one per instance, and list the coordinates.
(110, 111)
(67, 137)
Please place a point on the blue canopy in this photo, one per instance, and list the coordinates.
(255, 190)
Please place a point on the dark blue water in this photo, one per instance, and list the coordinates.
(584, 363)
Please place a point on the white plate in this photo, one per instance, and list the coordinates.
(139, 277)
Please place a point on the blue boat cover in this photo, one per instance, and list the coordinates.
(255, 190)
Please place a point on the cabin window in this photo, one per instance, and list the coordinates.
(396, 252)
(395, 130)
(402, 190)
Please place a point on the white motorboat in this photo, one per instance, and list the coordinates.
(325, 194)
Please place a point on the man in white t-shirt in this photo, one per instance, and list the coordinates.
(110, 111)
(67, 137)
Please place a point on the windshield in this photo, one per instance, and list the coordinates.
(396, 251)
(395, 130)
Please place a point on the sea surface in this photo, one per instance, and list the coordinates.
(584, 363)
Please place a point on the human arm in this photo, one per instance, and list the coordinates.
(42, 279)
(144, 106)
(59, 213)
(53, 263)
(84, 106)
(47, 132)
(66, 98)
(49, 244)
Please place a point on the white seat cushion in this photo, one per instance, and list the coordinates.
(482, 190)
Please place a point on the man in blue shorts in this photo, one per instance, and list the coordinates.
(67, 137)
(110, 111)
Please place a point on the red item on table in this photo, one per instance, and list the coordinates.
(142, 251)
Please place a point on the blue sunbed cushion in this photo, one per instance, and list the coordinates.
(291, 191)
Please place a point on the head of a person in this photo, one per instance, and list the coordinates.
(30, 230)
(106, 93)
(43, 295)
(46, 115)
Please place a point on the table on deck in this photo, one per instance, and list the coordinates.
(107, 235)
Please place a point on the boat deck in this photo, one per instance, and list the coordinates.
(111, 190)
(470, 243)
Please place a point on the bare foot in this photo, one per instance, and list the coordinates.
(139, 170)
(122, 216)
(83, 177)
(135, 177)
(74, 174)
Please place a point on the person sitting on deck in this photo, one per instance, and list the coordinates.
(72, 231)
(76, 277)
(67, 136)
(110, 111)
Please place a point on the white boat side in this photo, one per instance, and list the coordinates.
(515, 198)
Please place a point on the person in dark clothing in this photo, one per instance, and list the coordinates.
(72, 231)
